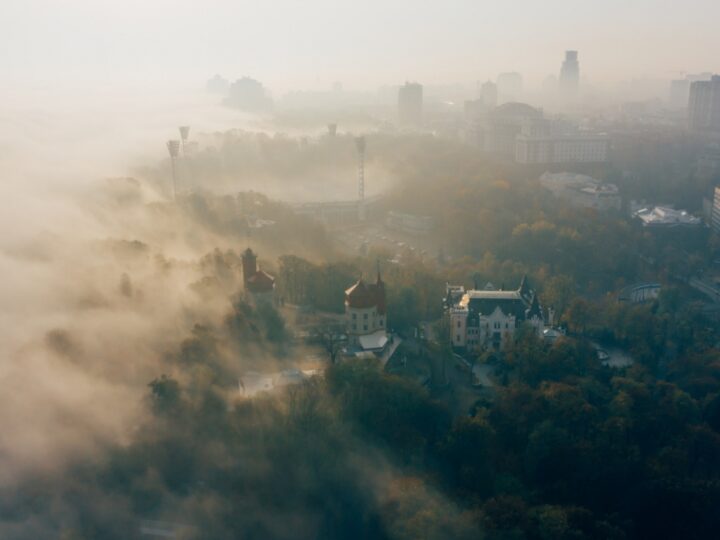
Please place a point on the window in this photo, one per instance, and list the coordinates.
(457, 338)
(354, 316)
(496, 325)
(459, 324)
(365, 327)
(365, 316)
(354, 326)
(381, 322)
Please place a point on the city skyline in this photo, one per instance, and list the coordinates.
(364, 46)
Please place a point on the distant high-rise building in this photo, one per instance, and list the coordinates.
(715, 215)
(708, 165)
(704, 106)
(410, 104)
(570, 72)
(680, 88)
(249, 95)
(217, 85)
(509, 86)
(679, 92)
(489, 94)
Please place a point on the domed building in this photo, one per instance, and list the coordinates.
(504, 123)
(366, 316)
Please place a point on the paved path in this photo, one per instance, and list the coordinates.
(482, 374)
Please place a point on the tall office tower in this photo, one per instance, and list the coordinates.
(510, 86)
(489, 94)
(410, 104)
(704, 106)
(570, 72)
(715, 212)
(679, 93)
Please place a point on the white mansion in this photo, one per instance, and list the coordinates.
(484, 319)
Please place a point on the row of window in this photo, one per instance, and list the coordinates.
(496, 325)
(381, 324)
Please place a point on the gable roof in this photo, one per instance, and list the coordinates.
(260, 282)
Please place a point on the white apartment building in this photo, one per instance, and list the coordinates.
(549, 148)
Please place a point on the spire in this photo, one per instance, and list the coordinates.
(379, 277)
(524, 288)
(534, 310)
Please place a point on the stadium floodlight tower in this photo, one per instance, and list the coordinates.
(173, 147)
(360, 145)
(184, 135)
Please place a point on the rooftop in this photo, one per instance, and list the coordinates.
(490, 295)
(578, 182)
(662, 216)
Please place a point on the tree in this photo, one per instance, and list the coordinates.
(578, 315)
(332, 341)
(165, 394)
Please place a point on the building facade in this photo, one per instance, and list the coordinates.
(715, 213)
(570, 72)
(499, 130)
(366, 316)
(704, 106)
(489, 94)
(486, 319)
(409, 223)
(410, 104)
(549, 148)
(519, 132)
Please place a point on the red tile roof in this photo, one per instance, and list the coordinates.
(261, 282)
(363, 295)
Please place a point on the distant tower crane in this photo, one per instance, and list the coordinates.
(173, 147)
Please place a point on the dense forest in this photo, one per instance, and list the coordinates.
(561, 447)
(566, 448)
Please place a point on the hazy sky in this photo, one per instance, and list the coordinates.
(311, 43)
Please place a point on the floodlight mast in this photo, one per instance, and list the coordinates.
(360, 145)
(173, 147)
(184, 136)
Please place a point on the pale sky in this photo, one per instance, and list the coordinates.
(311, 43)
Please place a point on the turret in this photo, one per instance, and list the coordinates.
(249, 264)
(524, 288)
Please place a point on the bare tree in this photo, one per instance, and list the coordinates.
(332, 340)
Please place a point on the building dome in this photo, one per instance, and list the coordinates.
(363, 295)
(515, 109)
(359, 296)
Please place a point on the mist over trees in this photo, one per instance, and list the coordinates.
(158, 334)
